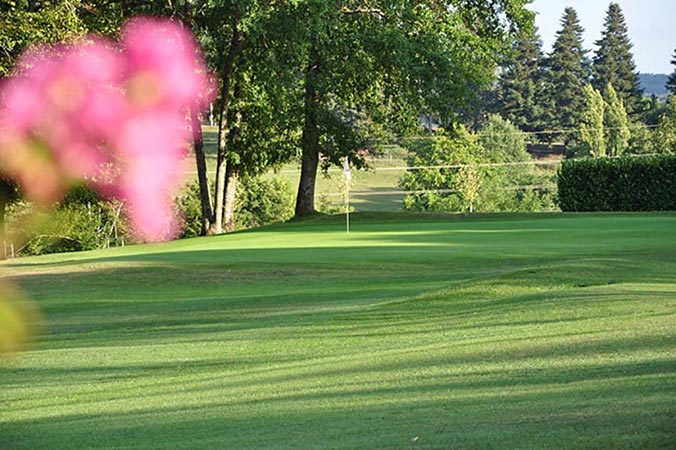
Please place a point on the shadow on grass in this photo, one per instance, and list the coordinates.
(611, 406)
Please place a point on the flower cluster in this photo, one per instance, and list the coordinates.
(111, 113)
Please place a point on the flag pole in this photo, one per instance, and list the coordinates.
(348, 177)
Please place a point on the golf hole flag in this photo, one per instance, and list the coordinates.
(346, 169)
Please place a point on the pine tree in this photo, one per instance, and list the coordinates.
(591, 129)
(616, 123)
(567, 74)
(519, 89)
(614, 62)
(671, 82)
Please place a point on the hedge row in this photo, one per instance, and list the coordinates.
(618, 184)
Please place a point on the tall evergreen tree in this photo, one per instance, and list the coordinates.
(671, 82)
(567, 74)
(519, 88)
(614, 62)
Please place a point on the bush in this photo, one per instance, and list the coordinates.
(618, 184)
(189, 210)
(263, 201)
(81, 221)
(476, 186)
(260, 202)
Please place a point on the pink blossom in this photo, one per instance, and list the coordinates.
(163, 56)
(112, 113)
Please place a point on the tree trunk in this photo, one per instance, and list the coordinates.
(305, 201)
(232, 176)
(232, 171)
(201, 163)
(221, 163)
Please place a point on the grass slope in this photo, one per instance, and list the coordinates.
(530, 332)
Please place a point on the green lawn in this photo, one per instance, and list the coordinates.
(496, 332)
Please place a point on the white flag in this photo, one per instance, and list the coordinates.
(346, 169)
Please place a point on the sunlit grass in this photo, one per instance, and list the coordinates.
(548, 331)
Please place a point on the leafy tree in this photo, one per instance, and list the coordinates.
(616, 122)
(386, 62)
(470, 181)
(28, 22)
(671, 82)
(519, 87)
(567, 74)
(447, 189)
(614, 62)
(255, 126)
(642, 140)
(502, 141)
(592, 135)
(666, 131)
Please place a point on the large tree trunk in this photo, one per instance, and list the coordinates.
(202, 178)
(221, 163)
(305, 201)
(230, 198)
(232, 171)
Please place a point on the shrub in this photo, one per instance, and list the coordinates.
(474, 185)
(260, 201)
(618, 184)
(81, 221)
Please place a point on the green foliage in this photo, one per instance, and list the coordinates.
(520, 91)
(616, 123)
(613, 62)
(390, 61)
(503, 141)
(618, 184)
(263, 201)
(567, 74)
(23, 25)
(665, 135)
(643, 140)
(458, 148)
(472, 184)
(671, 82)
(260, 201)
(189, 211)
(592, 136)
(81, 221)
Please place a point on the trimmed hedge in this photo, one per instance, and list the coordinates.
(618, 184)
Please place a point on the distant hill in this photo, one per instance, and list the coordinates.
(653, 83)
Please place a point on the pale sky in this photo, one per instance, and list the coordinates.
(651, 24)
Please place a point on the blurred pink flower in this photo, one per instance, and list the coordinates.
(72, 111)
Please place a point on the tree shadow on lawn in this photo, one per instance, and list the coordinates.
(82, 313)
(616, 406)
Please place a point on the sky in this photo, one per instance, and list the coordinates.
(651, 24)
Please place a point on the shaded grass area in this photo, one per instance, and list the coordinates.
(520, 331)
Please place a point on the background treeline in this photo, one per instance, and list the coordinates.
(592, 104)
(463, 84)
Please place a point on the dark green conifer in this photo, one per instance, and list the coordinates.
(519, 88)
(614, 62)
(567, 72)
(671, 82)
